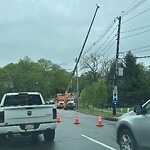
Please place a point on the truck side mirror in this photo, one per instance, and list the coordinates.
(138, 109)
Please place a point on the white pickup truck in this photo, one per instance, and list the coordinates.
(27, 114)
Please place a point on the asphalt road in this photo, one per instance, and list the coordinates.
(70, 136)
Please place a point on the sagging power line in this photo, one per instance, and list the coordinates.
(136, 29)
(129, 10)
(136, 16)
(136, 49)
(143, 57)
(135, 34)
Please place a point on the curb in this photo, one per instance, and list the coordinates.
(115, 119)
(111, 118)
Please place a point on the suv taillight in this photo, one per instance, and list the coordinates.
(54, 113)
(1, 116)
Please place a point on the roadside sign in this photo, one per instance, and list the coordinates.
(115, 96)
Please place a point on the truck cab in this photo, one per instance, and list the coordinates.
(61, 101)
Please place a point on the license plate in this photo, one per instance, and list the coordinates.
(29, 127)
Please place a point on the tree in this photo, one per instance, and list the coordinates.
(87, 96)
(131, 87)
(133, 73)
(100, 93)
(46, 65)
(95, 95)
(42, 76)
(91, 63)
(58, 79)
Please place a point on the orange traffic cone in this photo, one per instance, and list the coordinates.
(99, 123)
(58, 118)
(76, 120)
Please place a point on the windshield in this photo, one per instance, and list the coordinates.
(21, 100)
(61, 101)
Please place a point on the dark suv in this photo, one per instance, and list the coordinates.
(70, 105)
(133, 129)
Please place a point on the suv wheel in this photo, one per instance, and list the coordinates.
(49, 135)
(127, 140)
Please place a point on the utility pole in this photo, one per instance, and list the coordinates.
(78, 59)
(115, 90)
(77, 86)
(97, 7)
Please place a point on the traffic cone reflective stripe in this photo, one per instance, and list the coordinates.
(99, 123)
(58, 118)
(76, 120)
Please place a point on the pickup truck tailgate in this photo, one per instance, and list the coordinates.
(28, 114)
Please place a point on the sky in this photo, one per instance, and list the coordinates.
(56, 29)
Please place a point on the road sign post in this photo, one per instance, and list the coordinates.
(114, 99)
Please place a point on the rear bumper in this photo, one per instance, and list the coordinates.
(18, 129)
(60, 106)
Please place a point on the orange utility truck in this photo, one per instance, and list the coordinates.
(61, 101)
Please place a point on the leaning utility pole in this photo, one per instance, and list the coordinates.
(115, 90)
(78, 59)
(97, 7)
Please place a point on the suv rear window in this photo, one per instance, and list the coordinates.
(22, 100)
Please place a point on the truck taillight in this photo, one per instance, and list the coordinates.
(54, 113)
(1, 116)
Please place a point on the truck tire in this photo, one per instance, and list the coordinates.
(49, 135)
(2, 139)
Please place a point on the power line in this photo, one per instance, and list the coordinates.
(107, 38)
(102, 36)
(111, 43)
(136, 29)
(136, 15)
(129, 10)
(66, 63)
(142, 51)
(137, 49)
(113, 22)
(135, 34)
(140, 48)
(106, 48)
(143, 57)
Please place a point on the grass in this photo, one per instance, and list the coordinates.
(98, 112)
(124, 110)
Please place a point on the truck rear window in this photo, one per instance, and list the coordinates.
(22, 100)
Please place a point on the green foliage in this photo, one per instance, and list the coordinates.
(133, 82)
(42, 76)
(95, 88)
(95, 95)
(100, 93)
(134, 86)
(87, 96)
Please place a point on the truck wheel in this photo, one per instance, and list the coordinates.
(127, 140)
(49, 135)
(2, 139)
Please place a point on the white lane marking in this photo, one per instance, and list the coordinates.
(98, 142)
